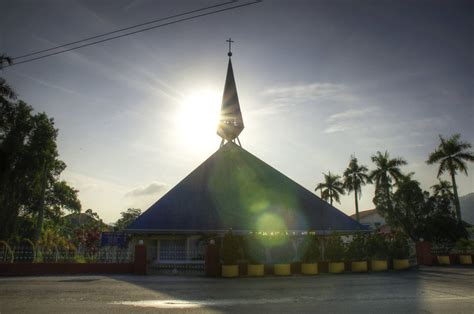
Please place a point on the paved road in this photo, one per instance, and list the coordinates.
(428, 290)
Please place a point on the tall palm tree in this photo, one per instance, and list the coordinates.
(5, 89)
(452, 154)
(331, 188)
(387, 170)
(355, 176)
(443, 189)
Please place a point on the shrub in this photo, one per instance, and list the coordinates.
(357, 249)
(230, 249)
(255, 251)
(377, 246)
(335, 249)
(399, 247)
(310, 249)
(281, 249)
(464, 246)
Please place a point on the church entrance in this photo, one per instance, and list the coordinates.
(175, 255)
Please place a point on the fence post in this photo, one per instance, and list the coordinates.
(423, 253)
(140, 263)
(211, 265)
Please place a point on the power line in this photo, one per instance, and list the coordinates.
(134, 32)
(121, 30)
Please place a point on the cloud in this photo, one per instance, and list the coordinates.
(152, 189)
(279, 99)
(351, 114)
(350, 119)
(304, 91)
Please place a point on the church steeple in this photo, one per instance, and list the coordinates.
(231, 123)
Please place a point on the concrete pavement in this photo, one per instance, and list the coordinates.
(428, 290)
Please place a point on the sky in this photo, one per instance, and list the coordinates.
(318, 81)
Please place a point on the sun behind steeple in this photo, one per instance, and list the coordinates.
(231, 123)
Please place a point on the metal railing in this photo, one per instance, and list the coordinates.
(28, 254)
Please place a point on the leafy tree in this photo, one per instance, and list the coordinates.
(230, 249)
(5, 89)
(357, 248)
(127, 217)
(377, 246)
(355, 176)
(29, 168)
(335, 249)
(443, 189)
(331, 188)
(310, 249)
(452, 155)
(420, 215)
(387, 172)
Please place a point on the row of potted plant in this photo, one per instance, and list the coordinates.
(464, 249)
(376, 248)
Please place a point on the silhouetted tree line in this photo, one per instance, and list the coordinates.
(399, 198)
(30, 189)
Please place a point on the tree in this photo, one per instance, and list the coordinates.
(452, 155)
(355, 176)
(420, 215)
(386, 172)
(331, 188)
(5, 89)
(127, 217)
(29, 168)
(443, 189)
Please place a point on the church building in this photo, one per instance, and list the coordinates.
(232, 189)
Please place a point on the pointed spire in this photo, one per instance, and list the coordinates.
(231, 123)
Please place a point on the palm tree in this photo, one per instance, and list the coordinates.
(443, 189)
(331, 188)
(387, 170)
(5, 89)
(355, 177)
(452, 154)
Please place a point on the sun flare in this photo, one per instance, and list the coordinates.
(197, 117)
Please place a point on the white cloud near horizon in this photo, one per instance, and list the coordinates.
(153, 188)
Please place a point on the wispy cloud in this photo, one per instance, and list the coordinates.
(350, 119)
(153, 188)
(304, 90)
(280, 98)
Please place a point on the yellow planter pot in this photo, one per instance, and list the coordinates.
(309, 268)
(359, 267)
(282, 269)
(255, 270)
(378, 265)
(230, 271)
(400, 264)
(465, 259)
(443, 259)
(336, 267)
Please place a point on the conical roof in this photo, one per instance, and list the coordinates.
(230, 121)
(234, 189)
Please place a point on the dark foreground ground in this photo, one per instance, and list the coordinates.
(428, 290)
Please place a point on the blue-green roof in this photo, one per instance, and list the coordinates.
(234, 189)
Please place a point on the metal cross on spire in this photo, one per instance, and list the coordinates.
(230, 41)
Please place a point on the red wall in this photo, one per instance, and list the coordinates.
(65, 268)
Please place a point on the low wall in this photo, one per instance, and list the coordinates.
(13, 269)
(138, 267)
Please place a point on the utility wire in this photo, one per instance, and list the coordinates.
(134, 32)
(121, 30)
